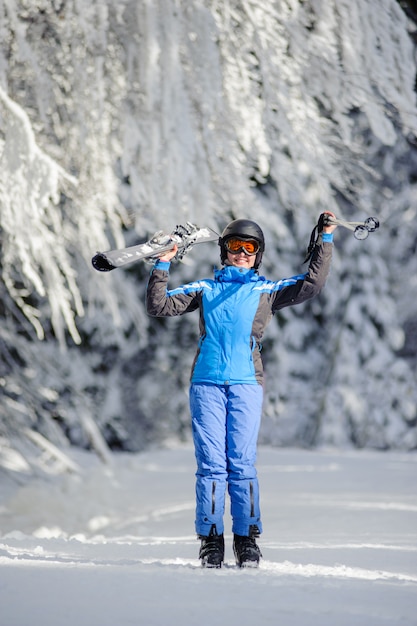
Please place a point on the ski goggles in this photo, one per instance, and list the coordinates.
(234, 245)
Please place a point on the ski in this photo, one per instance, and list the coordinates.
(185, 237)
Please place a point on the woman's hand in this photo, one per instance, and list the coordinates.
(169, 255)
(330, 228)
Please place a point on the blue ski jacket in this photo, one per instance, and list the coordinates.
(235, 308)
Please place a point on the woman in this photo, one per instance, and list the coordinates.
(226, 389)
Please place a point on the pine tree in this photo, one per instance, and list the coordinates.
(122, 119)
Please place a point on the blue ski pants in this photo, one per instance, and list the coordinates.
(225, 425)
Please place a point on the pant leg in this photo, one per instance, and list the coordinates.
(208, 420)
(244, 410)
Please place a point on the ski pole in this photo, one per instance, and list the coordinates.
(360, 230)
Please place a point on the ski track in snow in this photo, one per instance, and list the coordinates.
(339, 544)
(9, 556)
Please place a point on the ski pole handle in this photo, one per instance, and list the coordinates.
(329, 220)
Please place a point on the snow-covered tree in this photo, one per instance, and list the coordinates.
(118, 119)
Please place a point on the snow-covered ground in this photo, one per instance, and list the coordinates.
(115, 545)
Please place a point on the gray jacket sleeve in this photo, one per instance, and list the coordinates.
(308, 285)
(163, 303)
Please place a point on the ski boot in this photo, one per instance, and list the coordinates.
(246, 550)
(212, 549)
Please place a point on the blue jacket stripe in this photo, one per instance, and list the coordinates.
(270, 286)
(198, 285)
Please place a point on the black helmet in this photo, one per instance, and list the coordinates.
(246, 229)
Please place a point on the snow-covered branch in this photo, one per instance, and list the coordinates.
(35, 260)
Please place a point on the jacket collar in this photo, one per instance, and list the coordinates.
(232, 274)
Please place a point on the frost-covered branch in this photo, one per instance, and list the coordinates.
(35, 260)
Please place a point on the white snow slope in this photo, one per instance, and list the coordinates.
(115, 545)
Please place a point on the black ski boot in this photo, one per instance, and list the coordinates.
(212, 549)
(246, 550)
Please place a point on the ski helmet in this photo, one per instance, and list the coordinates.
(246, 229)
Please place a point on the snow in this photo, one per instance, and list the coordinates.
(114, 543)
